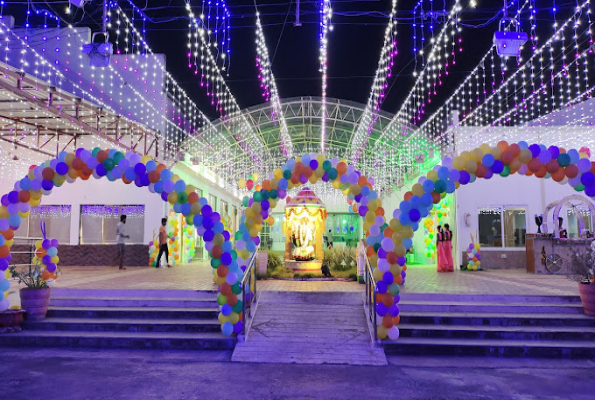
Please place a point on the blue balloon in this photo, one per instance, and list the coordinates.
(203, 202)
(365, 191)
(227, 328)
(158, 187)
(428, 186)
(404, 218)
(588, 179)
(197, 220)
(443, 173)
(407, 243)
(180, 186)
(52, 252)
(178, 207)
(415, 201)
(168, 186)
(218, 228)
(166, 174)
(414, 215)
(130, 174)
(14, 220)
(186, 208)
(404, 206)
(426, 200)
(488, 160)
(250, 246)
(151, 166)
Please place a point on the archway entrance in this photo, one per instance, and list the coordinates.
(387, 241)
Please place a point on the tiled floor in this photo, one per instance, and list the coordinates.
(420, 279)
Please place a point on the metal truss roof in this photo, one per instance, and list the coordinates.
(48, 120)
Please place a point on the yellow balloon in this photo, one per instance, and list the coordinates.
(336, 184)
(433, 175)
(145, 159)
(471, 166)
(172, 198)
(496, 152)
(417, 190)
(381, 332)
(242, 183)
(485, 148)
(278, 174)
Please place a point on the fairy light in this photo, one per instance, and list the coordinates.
(221, 97)
(269, 88)
(326, 14)
(379, 86)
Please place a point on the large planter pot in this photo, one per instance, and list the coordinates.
(35, 302)
(11, 320)
(587, 293)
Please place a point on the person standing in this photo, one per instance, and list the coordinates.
(440, 254)
(361, 261)
(121, 237)
(330, 238)
(447, 237)
(163, 243)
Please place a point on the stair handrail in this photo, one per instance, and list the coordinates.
(371, 292)
(246, 283)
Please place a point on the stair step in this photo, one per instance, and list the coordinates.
(487, 298)
(133, 312)
(131, 302)
(491, 347)
(497, 332)
(120, 340)
(500, 319)
(133, 293)
(124, 325)
(495, 308)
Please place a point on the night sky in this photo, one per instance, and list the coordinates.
(354, 44)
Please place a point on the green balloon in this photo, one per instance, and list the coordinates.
(109, 164)
(238, 307)
(118, 156)
(215, 262)
(245, 201)
(287, 174)
(154, 264)
(332, 174)
(327, 165)
(234, 255)
(183, 198)
(265, 194)
(257, 196)
(236, 289)
(221, 299)
(580, 188)
(274, 193)
(238, 235)
(394, 289)
(95, 151)
(505, 171)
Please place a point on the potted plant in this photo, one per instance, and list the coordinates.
(35, 297)
(11, 320)
(582, 270)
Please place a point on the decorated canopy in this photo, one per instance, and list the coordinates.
(305, 201)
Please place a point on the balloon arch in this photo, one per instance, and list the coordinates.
(387, 242)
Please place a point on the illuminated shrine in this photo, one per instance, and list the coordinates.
(304, 226)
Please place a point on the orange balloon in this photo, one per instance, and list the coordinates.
(258, 188)
(370, 250)
(266, 184)
(222, 270)
(232, 299)
(362, 181)
(407, 196)
(398, 280)
(298, 167)
(388, 232)
(341, 168)
(225, 289)
(503, 145)
(388, 299)
(8, 234)
(387, 321)
(4, 251)
(396, 320)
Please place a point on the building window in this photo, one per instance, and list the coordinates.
(579, 221)
(490, 227)
(99, 222)
(57, 223)
(502, 226)
(515, 226)
(213, 202)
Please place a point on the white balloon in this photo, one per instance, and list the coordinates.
(393, 333)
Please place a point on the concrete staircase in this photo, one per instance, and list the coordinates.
(129, 319)
(492, 325)
(309, 328)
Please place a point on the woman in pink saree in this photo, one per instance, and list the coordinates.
(447, 240)
(440, 251)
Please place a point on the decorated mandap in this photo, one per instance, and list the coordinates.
(303, 227)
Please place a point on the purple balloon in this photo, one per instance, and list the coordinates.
(393, 310)
(226, 258)
(206, 211)
(13, 197)
(256, 240)
(226, 235)
(238, 327)
(363, 210)
(382, 287)
(140, 169)
(209, 235)
(381, 253)
(164, 196)
(396, 299)
(401, 261)
(388, 277)
(535, 150)
(5, 200)
(465, 177)
(215, 217)
(303, 178)
(381, 309)
(3, 264)
(55, 243)
(47, 185)
(325, 177)
(314, 164)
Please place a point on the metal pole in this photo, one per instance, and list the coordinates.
(297, 15)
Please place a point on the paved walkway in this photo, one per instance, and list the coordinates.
(420, 279)
(146, 375)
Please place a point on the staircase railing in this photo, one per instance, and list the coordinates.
(371, 292)
(25, 241)
(247, 284)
